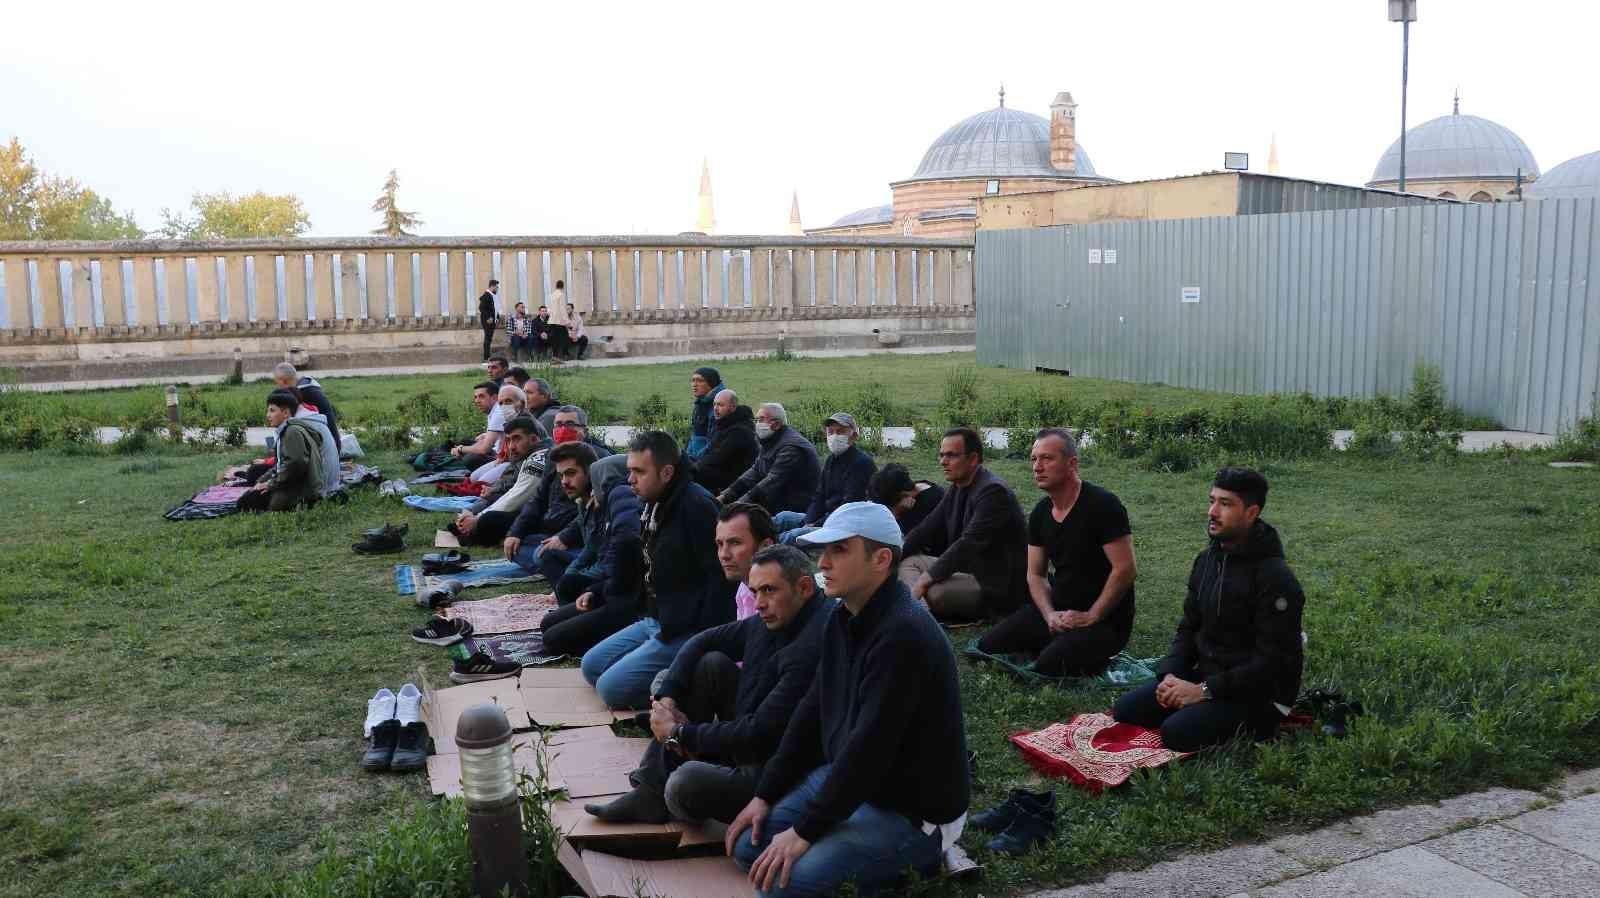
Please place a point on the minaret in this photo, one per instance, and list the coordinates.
(1272, 156)
(1063, 134)
(794, 216)
(708, 220)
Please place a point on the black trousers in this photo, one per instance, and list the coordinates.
(1200, 725)
(582, 344)
(490, 530)
(568, 631)
(1066, 654)
(488, 338)
(558, 341)
(715, 788)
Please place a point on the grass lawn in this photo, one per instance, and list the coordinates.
(183, 701)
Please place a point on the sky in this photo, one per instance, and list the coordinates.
(577, 119)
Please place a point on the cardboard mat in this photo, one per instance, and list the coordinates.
(561, 697)
(444, 539)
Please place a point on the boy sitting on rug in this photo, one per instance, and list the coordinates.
(1236, 660)
(301, 471)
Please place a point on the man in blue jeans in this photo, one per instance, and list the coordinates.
(871, 778)
(683, 590)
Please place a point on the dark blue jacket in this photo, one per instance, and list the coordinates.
(784, 477)
(702, 423)
(844, 479)
(684, 589)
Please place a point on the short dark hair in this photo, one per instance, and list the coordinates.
(561, 285)
(492, 388)
(1247, 483)
(523, 423)
(889, 483)
(285, 399)
(543, 386)
(1069, 443)
(582, 453)
(761, 526)
(493, 282)
(662, 447)
(969, 439)
(519, 376)
(795, 564)
(873, 546)
(501, 359)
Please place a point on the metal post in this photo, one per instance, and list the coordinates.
(1405, 71)
(172, 404)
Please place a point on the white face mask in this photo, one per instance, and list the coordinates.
(763, 430)
(838, 443)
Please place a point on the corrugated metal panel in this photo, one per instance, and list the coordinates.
(1267, 195)
(1503, 298)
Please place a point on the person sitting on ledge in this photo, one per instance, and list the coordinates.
(301, 471)
(844, 479)
(1236, 660)
(734, 447)
(1081, 612)
(966, 560)
(784, 476)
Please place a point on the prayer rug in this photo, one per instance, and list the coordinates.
(441, 477)
(211, 502)
(409, 578)
(514, 613)
(526, 649)
(1094, 751)
(1122, 671)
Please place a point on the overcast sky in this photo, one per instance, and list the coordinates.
(520, 118)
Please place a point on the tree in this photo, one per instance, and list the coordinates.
(395, 221)
(217, 216)
(36, 206)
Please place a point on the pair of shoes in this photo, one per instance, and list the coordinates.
(394, 488)
(441, 595)
(480, 666)
(398, 739)
(383, 540)
(1023, 820)
(448, 562)
(442, 632)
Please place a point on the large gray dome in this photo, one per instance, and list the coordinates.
(999, 143)
(1460, 148)
(1577, 178)
(871, 216)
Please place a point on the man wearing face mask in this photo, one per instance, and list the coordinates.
(844, 479)
(784, 477)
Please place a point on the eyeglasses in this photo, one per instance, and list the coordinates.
(951, 456)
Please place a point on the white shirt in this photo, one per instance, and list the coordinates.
(497, 425)
(558, 307)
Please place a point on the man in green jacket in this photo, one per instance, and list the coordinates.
(297, 478)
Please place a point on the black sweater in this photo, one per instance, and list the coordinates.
(978, 529)
(777, 671)
(885, 711)
(733, 449)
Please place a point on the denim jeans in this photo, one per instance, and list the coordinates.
(622, 665)
(439, 503)
(788, 524)
(873, 848)
(531, 553)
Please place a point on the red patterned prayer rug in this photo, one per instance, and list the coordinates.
(1094, 751)
(467, 487)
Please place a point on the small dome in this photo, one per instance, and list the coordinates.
(1458, 147)
(1577, 178)
(874, 215)
(999, 143)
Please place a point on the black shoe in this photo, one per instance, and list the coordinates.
(481, 667)
(1021, 801)
(1336, 718)
(381, 749)
(411, 748)
(442, 632)
(1026, 831)
(387, 541)
(447, 562)
(386, 530)
(440, 596)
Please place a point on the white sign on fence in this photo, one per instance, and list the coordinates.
(1191, 294)
(1111, 257)
(1094, 257)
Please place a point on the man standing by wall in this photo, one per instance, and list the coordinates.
(488, 315)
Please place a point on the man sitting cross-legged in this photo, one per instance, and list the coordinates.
(784, 476)
(716, 722)
(549, 510)
(598, 593)
(486, 520)
(966, 559)
(871, 777)
(1081, 613)
(683, 591)
(299, 476)
(509, 403)
(844, 478)
(1236, 660)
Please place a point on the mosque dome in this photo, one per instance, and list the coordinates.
(1577, 178)
(874, 215)
(999, 143)
(1459, 148)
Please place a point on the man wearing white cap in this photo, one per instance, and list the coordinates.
(871, 777)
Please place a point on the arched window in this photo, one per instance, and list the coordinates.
(1482, 196)
(1446, 195)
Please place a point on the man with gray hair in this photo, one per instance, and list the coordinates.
(721, 708)
(785, 474)
(542, 403)
(310, 393)
(1080, 570)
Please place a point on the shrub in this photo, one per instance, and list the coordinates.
(1176, 454)
(959, 405)
(1271, 430)
(1430, 442)
(653, 413)
(1425, 402)
(1581, 443)
(1373, 438)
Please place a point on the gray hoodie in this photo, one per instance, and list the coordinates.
(330, 450)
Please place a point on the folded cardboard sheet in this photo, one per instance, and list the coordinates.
(561, 697)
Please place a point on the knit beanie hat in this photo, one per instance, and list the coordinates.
(711, 375)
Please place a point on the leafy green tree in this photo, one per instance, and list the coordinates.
(395, 221)
(36, 206)
(218, 216)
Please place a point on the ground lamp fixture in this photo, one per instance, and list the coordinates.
(1404, 12)
(494, 813)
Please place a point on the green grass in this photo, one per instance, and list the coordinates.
(182, 702)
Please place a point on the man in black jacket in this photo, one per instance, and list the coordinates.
(844, 478)
(967, 559)
(733, 448)
(488, 315)
(784, 477)
(1236, 660)
(716, 722)
(599, 593)
(683, 590)
(310, 393)
(871, 777)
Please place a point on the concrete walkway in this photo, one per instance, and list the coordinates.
(1503, 843)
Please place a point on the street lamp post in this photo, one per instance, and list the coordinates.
(1404, 12)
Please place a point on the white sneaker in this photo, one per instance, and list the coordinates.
(408, 705)
(379, 709)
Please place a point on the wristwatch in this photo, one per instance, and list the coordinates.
(673, 744)
(1205, 691)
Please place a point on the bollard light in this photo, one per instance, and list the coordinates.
(494, 814)
(238, 364)
(172, 403)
